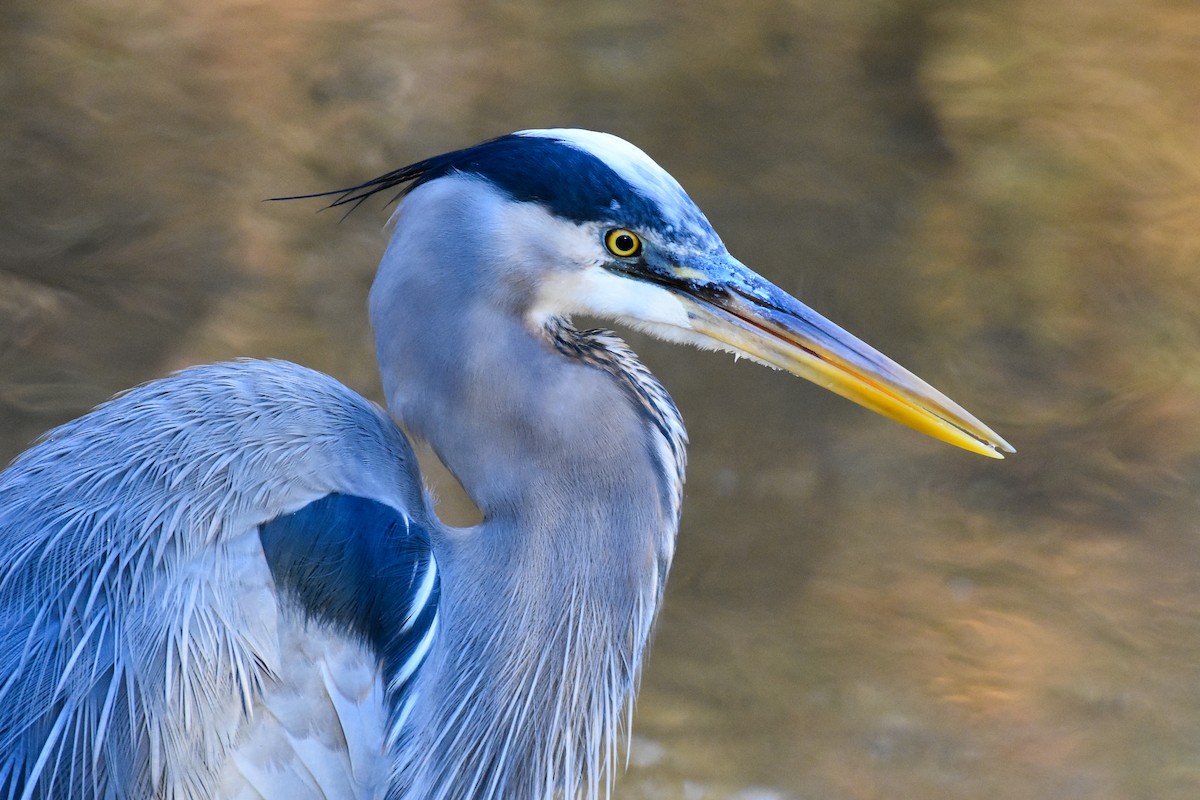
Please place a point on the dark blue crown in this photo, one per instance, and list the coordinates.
(569, 181)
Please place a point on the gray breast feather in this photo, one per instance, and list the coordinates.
(606, 351)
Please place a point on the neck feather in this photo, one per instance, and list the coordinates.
(549, 603)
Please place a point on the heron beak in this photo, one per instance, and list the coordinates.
(749, 316)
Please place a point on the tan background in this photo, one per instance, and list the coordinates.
(1003, 196)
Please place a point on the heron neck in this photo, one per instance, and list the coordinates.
(548, 604)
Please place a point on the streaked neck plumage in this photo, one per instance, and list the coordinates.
(550, 600)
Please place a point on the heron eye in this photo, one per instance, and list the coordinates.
(622, 242)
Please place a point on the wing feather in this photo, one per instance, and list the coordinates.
(142, 622)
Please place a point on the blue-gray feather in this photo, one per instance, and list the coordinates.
(129, 657)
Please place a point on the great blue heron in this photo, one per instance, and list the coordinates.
(229, 583)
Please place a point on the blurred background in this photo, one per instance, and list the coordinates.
(1004, 196)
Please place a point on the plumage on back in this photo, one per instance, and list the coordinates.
(139, 621)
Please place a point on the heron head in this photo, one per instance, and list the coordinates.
(584, 222)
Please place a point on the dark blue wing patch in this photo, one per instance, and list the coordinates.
(363, 565)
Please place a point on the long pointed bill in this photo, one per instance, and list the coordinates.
(750, 316)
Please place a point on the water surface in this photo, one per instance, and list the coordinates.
(1004, 197)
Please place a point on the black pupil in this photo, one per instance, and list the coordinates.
(624, 243)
